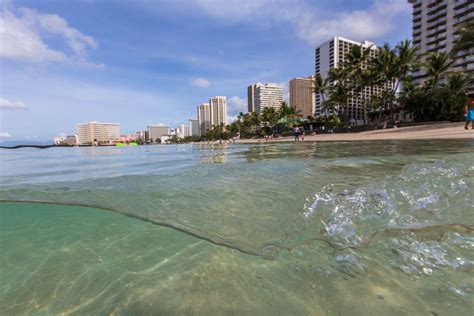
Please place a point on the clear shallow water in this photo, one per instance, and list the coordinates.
(332, 228)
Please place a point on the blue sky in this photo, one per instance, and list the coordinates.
(153, 61)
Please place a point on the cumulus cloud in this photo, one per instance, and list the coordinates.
(370, 24)
(311, 24)
(237, 104)
(201, 83)
(22, 33)
(5, 135)
(12, 105)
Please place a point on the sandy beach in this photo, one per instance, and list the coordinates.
(432, 131)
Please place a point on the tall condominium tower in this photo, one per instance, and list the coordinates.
(218, 111)
(262, 95)
(251, 98)
(193, 127)
(204, 118)
(333, 54)
(435, 29)
(302, 95)
(89, 132)
(183, 131)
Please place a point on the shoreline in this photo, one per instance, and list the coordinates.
(418, 132)
(432, 131)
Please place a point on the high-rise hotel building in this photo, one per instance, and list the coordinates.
(193, 127)
(218, 111)
(262, 95)
(302, 95)
(435, 29)
(204, 118)
(212, 114)
(89, 132)
(333, 54)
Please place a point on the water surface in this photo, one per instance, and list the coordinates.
(327, 228)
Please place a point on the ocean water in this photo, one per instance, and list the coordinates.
(342, 228)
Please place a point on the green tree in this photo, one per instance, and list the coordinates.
(255, 121)
(455, 95)
(270, 118)
(321, 87)
(437, 65)
(339, 92)
(356, 65)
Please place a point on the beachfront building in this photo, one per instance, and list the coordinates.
(218, 111)
(141, 135)
(251, 98)
(183, 131)
(333, 54)
(262, 95)
(193, 127)
(88, 133)
(435, 29)
(204, 118)
(156, 131)
(302, 96)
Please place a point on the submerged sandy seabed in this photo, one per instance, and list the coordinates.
(433, 131)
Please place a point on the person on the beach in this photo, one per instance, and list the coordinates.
(302, 134)
(296, 131)
(469, 113)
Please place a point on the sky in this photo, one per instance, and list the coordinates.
(141, 62)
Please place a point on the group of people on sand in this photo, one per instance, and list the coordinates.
(298, 131)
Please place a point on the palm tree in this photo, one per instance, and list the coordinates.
(284, 110)
(369, 78)
(270, 117)
(321, 87)
(466, 39)
(458, 85)
(356, 65)
(437, 65)
(386, 64)
(340, 90)
(254, 120)
(407, 59)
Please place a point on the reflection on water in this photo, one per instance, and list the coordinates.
(386, 225)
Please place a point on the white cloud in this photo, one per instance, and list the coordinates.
(237, 105)
(201, 83)
(311, 24)
(370, 24)
(12, 105)
(5, 135)
(22, 34)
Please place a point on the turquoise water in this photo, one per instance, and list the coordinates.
(327, 228)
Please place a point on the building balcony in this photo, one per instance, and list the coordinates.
(466, 9)
(436, 31)
(436, 39)
(436, 3)
(436, 23)
(440, 15)
(436, 47)
(416, 19)
(438, 8)
(461, 4)
(463, 18)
